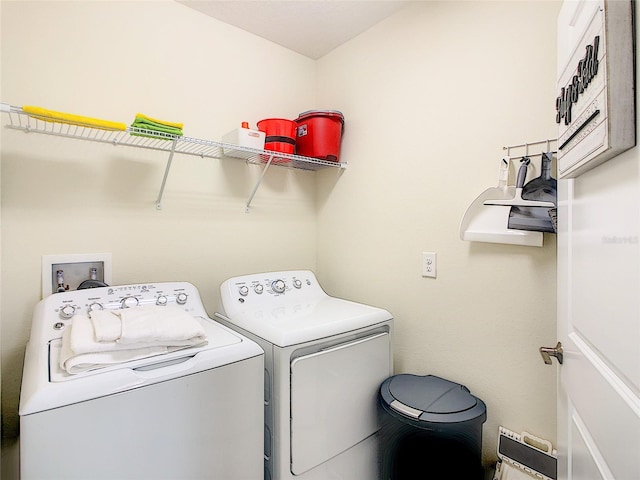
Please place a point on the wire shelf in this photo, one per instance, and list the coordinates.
(160, 141)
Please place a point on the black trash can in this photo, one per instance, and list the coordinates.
(430, 428)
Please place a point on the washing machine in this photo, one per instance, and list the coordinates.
(190, 413)
(325, 359)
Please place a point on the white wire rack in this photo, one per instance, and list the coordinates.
(164, 142)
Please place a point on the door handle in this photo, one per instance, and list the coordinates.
(548, 352)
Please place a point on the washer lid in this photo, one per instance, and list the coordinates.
(428, 397)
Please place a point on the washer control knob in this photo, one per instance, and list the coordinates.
(95, 306)
(67, 311)
(258, 288)
(278, 286)
(243, 290)
(161, 300)
(297, 283)
(129, 302)
(181, 298)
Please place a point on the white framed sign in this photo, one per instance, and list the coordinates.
(595, 107)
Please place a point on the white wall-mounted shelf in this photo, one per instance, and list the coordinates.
(153, 140)
(487, 218)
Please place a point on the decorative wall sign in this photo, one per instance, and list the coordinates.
(595, 107)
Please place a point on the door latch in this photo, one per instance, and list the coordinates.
(548, 352)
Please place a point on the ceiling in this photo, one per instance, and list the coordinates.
(310, 27)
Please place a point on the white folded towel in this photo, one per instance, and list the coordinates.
(107, 326)
(166, 325)
(82, 337)
(74, 363)
(89, 343)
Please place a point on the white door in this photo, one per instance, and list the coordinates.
(598, 297)
(599, 323)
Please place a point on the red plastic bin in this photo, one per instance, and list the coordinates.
(319, 134)
(280, 134)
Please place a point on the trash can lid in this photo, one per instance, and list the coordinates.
(431, 398)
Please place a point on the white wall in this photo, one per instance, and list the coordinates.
(111, 60)
(431, 96)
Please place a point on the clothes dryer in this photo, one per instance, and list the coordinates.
(192, 413)
(325, 359)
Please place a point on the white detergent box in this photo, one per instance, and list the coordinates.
(243, 137)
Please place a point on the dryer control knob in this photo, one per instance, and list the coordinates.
(67, 311)
(181, 298)
(243, 290)
(297, 283)
(95, 306)
(161, 300)
(258, 288)
(278, 286)
(129, 302)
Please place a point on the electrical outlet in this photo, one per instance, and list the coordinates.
(429, 264)
(68, 272)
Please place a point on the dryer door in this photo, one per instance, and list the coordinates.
(334, 398)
